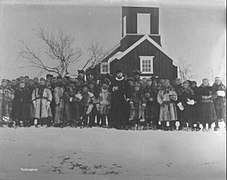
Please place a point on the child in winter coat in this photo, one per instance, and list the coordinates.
(103, 104)
(136, 110)
(149, 96)
(86, 105)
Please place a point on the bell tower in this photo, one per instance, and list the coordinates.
(139, 21)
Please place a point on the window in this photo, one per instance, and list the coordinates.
(124, 25)
(104, 69)
(146, 64)
(143, 23)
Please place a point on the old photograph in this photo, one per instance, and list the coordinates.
(112, 90)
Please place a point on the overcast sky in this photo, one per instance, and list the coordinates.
(193, 32)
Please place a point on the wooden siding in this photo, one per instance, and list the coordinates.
(163, 65)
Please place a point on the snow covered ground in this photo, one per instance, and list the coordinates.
(109, 154)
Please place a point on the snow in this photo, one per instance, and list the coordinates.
(110, 154)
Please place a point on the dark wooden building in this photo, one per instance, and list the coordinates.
(140, 47)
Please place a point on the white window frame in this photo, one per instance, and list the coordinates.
(101, 68)
(124, 26)
(149, 58)
(143, 23)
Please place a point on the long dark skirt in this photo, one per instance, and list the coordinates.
(220, 107)
(118, 112)
(21, 111)
(207, 112)
(190, 114)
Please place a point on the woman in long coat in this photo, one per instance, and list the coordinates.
(41, 98)
(22, 105)
(219, 91)
(188, 106)
(207, 114)
(166, 98)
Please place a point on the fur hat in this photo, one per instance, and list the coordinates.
(4, 80)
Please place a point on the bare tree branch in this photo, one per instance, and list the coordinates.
(57, 48)
(96, 54)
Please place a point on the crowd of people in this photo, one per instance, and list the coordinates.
(114, 102)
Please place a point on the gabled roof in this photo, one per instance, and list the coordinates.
(120, 54)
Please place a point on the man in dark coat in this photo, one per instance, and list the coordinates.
(119, 102)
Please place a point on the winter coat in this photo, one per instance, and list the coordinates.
(167, 98)
(103, 102)
(189, 113)
(150, 99)
(41, 98)
(119, 107)
(207, 113)
(136, 110)
(59, 104)
(22, 104)
(219, 100)
(6, 98)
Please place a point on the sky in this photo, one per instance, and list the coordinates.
(193, 31)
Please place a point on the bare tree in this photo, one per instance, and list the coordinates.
(184, 70)
(57, 49)
(96, 54)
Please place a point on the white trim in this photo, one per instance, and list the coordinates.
(151, 59)
(124, 26)
(101, 69)
(145, 37)
(115, 56)
(139, 35)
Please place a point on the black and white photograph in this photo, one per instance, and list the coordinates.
(112, 90)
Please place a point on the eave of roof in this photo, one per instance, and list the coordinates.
(145, 37)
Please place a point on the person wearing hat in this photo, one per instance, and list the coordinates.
(80, 76)
(49, 77)
(219, 91)
(130, 85)
(41, 99)
(187, 104)
(6, 98)
(22, 105)
(136, 76)
(119, 106)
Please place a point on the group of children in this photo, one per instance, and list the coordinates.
(120, 102)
